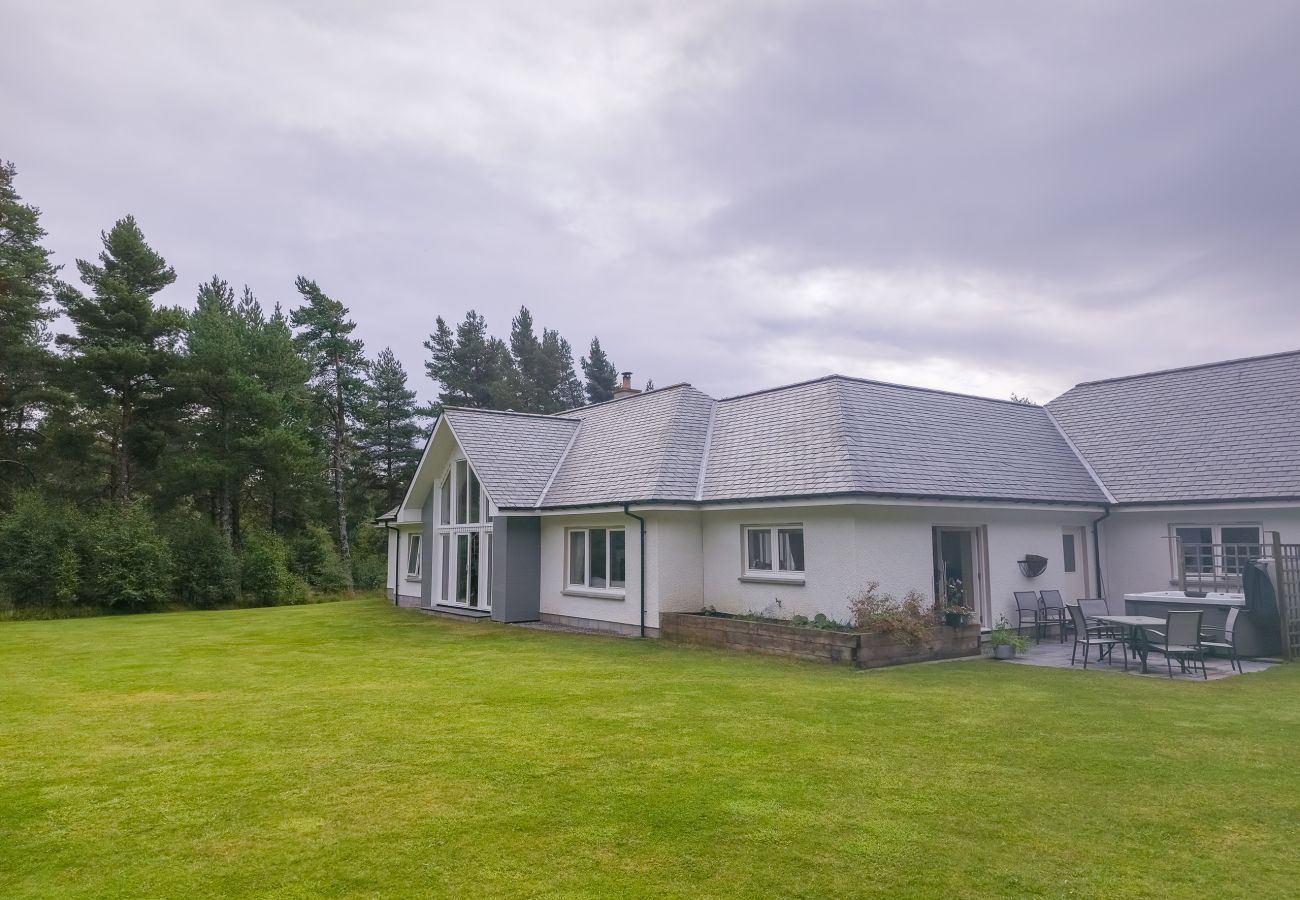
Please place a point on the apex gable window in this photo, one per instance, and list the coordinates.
(464, 547)
(774, 551)
(596, 560)
(413, 556)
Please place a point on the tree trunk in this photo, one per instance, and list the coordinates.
(121, 491)
(340, 496)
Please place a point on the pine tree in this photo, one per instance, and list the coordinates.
(286, 455)
(122, 350)
(561, 388)
(27, 285)
(474, 369)
(601, 375)
(390, 431)
(338, 368)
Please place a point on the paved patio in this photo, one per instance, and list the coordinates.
(1048, 652)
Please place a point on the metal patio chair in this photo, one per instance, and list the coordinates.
(1181, 640)
(1053, 607)
(1087, 637)
(1029, 612)
(1223, 639)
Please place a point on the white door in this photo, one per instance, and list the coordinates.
(1075, 574)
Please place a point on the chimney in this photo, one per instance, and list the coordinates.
(625, 389)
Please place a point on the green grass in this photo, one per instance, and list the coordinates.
(352, 749)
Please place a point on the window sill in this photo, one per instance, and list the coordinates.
(754, 578)
(594, 594)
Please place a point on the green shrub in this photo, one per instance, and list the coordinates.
(264, 569)
(907, 620)
(207, 568)
(370, 558)
(41, 547)
(129, 564)
(316, 560)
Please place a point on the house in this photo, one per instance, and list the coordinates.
(789, 500)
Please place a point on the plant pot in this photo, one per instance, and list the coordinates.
(1004, 651)
(956, 620)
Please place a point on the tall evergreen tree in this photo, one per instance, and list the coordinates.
(27, 285)
(122, 350)
(544, 379)
(390, 430)
(473, 368)
(601, 376)
(338, 368)
(286, 457)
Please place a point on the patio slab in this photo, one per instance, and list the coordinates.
(1053, 655)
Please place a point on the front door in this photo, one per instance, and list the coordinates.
(958, 569)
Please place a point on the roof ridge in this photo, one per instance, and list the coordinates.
(704, 457)
(659, 390)
(1083, 460)
(891, 384)
(1210, 365)
(506, 412)
(841, 425)
(573, 439)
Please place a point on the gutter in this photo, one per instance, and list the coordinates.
(627, 511)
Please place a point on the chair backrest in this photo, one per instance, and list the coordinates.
(1230, 624)
(1076, 616)
(1183, 626)
(1025, 600)
(1051, 599)
(1093, 606)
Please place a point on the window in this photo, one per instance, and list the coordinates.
(1211, 551)
(597, 559)
(786, 540)
(444, 501)
(1069, 563)
(413, 556)
(462, 491)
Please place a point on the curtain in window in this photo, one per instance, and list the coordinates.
(790, 542)
(760, 550)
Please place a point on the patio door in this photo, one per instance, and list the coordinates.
(467, 569)
(959, 568)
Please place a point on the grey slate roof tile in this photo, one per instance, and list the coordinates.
(513, 454)
(1223, 431)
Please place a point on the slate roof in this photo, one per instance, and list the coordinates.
(1224, 431)
(513, 454)
(843, 435)
(646, 447)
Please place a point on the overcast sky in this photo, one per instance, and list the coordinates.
(983, 197)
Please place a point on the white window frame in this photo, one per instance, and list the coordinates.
(414, 561)
(584, 589)
(449, 534)
(776, 573)
(1216, 537)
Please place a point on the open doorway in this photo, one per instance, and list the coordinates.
(959, 569)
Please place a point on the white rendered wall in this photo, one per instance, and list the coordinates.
(1136, 552)
(847, 546)
(558, 599)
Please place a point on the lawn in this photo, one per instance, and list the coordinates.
(353, 749)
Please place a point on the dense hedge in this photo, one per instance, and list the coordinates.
(56, 558)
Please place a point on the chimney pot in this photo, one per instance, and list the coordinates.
(627, 381)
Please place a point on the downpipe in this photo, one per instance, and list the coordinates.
(627, 511)
(1096, 549)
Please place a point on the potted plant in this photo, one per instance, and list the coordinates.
(953, 608)
(1006, 640)
(956, 615)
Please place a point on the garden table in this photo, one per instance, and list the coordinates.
(1134, 624)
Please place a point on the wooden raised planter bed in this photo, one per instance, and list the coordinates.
(862, 650)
